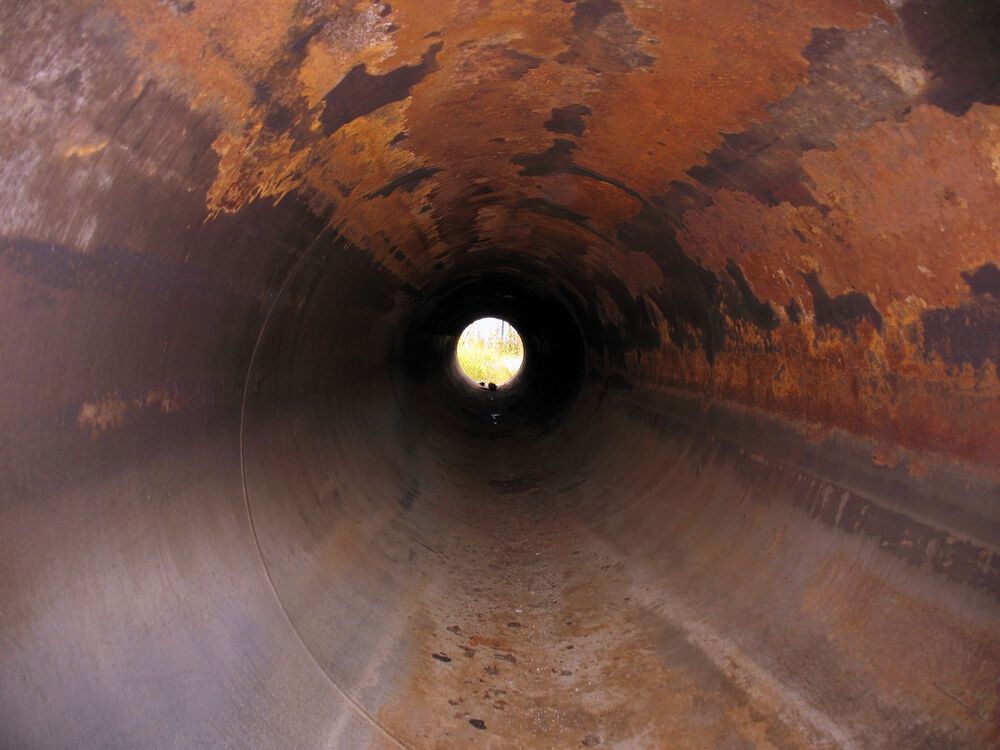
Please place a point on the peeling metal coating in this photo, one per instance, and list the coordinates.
(744, 495)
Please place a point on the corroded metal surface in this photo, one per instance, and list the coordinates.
(823, 174)
(745, 494)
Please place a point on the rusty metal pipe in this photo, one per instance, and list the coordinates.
(733, 500)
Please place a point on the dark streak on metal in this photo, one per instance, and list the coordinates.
(407, 182)
(568, 119)
(960, 43)
(968, 334)
(757, 312)
(845, 311)
(361, 93)
(984, 280)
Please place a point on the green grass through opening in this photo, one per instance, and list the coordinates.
(490, 351)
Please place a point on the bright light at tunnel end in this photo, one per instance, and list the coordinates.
(490, 352)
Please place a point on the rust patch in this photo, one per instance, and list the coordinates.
(855, 78)
(211, 52)
(82, 151)
(341, 38)
(785, 205)
(902, 212)
(716, 69)
(164, 400)
(114, 411)
(886, 297)
(605, 39)
(106, 414)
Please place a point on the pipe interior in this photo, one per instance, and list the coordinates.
(742, 494)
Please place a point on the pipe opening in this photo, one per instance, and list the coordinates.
(430, 382)
(490, 352)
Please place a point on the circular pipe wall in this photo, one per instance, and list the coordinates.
(249, 501)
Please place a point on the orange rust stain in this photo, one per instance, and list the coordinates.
(100, 416)
(911, 206)
(270, 160)
(759, 239)
(832, 381)
(214, 51)
(167, 401)
(256, 165)
(502, 69)
(113, 411)
(83, 151)
(910, 203)
(914, 204)
(359, 34)
(717, 68)
(605, 205)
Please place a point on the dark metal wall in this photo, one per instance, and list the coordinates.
(744, 493)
